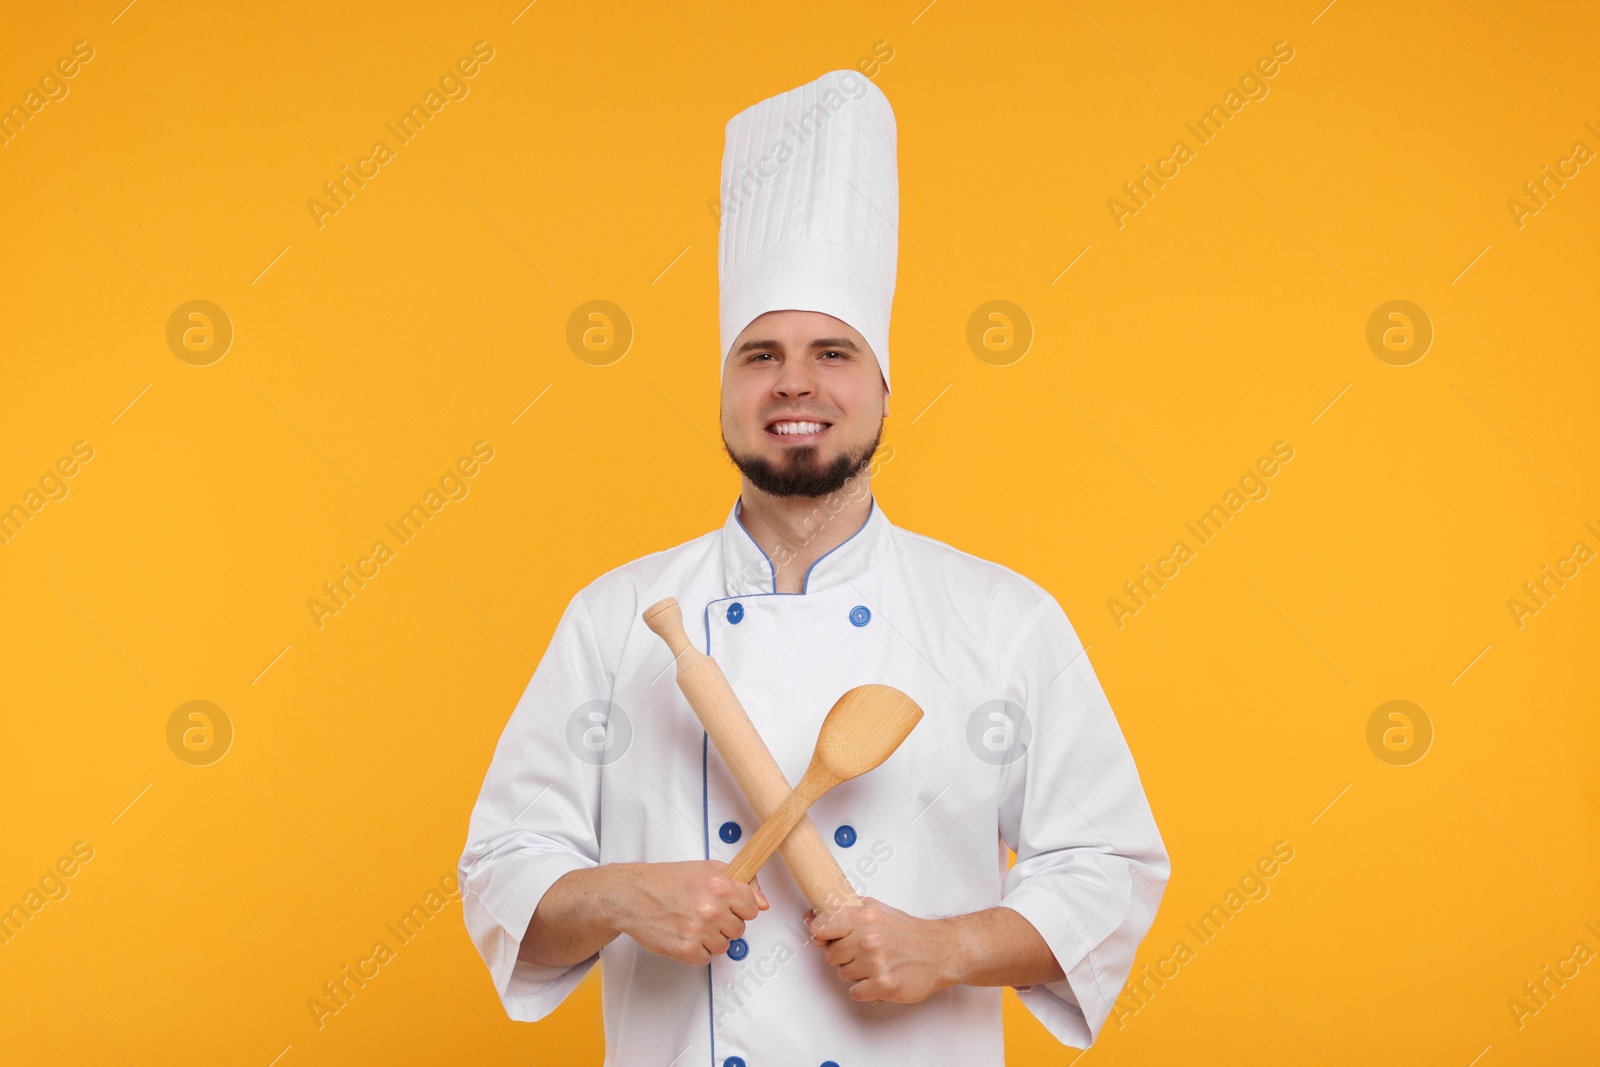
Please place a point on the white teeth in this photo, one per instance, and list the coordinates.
(798, 427)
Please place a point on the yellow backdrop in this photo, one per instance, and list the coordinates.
(240, 341)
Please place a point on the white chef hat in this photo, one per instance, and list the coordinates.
(810, 209)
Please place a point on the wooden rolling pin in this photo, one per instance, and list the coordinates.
(757, 774)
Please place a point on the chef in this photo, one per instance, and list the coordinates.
(607, 815)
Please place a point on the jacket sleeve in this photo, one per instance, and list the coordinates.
(1091, 866)
(537, 816)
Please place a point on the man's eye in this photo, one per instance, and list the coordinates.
(841, 355)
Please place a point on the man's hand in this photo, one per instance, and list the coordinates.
(884, 953)
(685, 911)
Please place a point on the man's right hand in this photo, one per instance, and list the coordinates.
(686, 911)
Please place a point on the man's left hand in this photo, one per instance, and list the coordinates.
(884, 953)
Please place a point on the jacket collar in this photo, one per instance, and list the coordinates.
(748, 570)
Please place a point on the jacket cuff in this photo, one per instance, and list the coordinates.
(528, 991)
(1059, 1005)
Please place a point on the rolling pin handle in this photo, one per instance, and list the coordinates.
(665, 620)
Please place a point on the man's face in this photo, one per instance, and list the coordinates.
(803, 403)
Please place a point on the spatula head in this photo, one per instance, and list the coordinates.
(864, 728)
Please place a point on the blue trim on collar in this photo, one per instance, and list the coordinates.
(737, 507)
(805, 583)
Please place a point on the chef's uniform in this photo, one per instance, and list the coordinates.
(603, 761)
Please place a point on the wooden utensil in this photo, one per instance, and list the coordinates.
(862, 730)
(820, 878)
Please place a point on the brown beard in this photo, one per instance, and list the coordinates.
(802, 474)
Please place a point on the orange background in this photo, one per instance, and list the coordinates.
(368, 354)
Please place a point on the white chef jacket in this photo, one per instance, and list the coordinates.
(603, 761)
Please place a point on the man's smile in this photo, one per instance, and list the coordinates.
(797, 431)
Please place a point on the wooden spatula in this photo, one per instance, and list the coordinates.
(862, 730)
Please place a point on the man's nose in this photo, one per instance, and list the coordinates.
(795, 382)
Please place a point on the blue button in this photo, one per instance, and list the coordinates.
(860, 615)
(845, 836)
(733, 1061)
(829, 1063)
(729, 832)
(738, 948)
(735, 612)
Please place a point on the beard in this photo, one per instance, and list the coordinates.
(802, 471)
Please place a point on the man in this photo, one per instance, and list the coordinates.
(607, 816)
